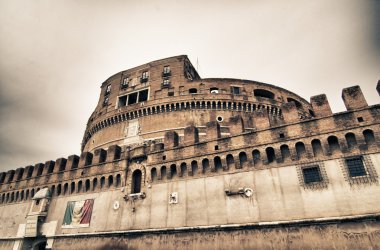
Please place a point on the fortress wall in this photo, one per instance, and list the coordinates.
(278, 196)
(348, 235)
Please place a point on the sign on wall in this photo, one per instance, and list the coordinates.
(78, 214)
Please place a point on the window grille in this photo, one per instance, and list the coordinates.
(356, 167)
(312, 174)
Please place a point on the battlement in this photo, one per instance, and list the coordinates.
(256, 143)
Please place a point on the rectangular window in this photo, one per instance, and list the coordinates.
(143, 95)
(311, 174)
(122, 101)
(105, 102)
(132, 99)
(166, 69)
(144, 76)
(108, 89)
(125, 83)
(236, 90)
(166, 83)
(355, 166)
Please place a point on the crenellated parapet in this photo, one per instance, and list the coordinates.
(218, 147)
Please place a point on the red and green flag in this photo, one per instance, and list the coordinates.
(78, 213)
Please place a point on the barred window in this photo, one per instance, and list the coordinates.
(356, 167)
(312, 174)
(166, 69)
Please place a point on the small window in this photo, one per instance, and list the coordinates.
(236, 90)
(216, 147)
(214, 90)
(108, 89)
(164, 157)
(355, 167)
(166, 83)
(170, 93)
(263, 93)
(166, 72)
(122, 101)
(193, 91)
(144, 76)
(124, 83)
(360, 119)
(105, 102)
(311, 174)
(282, 135)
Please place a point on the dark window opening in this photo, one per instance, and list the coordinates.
(163, 172)
(333, 144)
(118, 180)
(297, 103)
(170, 93)
(164, 157)
(193, 91)
(94, 184)
(102, 182)
(183, 168)
(281, 135)
(311, 112)
(317, 147)
(351, 140)
(369, 137)
(216, 147)
(79, 187)
(72, 188)
(243, 159)
(205, 165)
(236, 90)
(230, 161)
(194, 167)
(270, 154)
(105, 102)
(173, 170)
(87, 186)
(360, 119)
(312, 174)
(256, 156)
(143, 95)
(218, 164)
(285, 152)
(263, 93)
(153, 174)
(122, 101)
(132, 98)
(136, 181)
(300, 149)
(214, 90)
(166, 72)
(65, 188)
(110, 181)
(355, 166)
(124, 83)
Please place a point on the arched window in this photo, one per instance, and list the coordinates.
(270, 154)
(87, 185)
(333, 144)
(205, 165)
(173, 170)
(72, 188)
(300, 149)
(17, 194)
(79, 190)
(183, 169)
(94, 184)
(243, 159)
(102, 182)
(218, 164)
(136, 181)
(351, 140)
(230, 161)
(285, 152)
(58, 190)
(22, 195)
(110, 181)
(163, 173)
(317, 147)
(194, 167)
(369, 137)
(153, 174)
(298, 104)
(65, 188)
(52, 190)
(32, 193)
(26, 194)
(118, 180)
(256, 157)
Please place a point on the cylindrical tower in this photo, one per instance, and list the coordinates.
(144, 102)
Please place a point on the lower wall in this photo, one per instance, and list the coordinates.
(364, 234)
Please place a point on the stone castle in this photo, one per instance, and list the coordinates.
(173, 161)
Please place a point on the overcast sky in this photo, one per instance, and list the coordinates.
(55, 54)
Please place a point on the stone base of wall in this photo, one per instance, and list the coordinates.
(353, 234)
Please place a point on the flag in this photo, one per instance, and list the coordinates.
(78, 213)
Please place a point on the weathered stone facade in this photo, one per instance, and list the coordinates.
(175, 161)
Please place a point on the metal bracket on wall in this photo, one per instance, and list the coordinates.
(135, 196)
(245, 191)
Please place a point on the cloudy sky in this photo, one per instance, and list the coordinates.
(55, 54)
